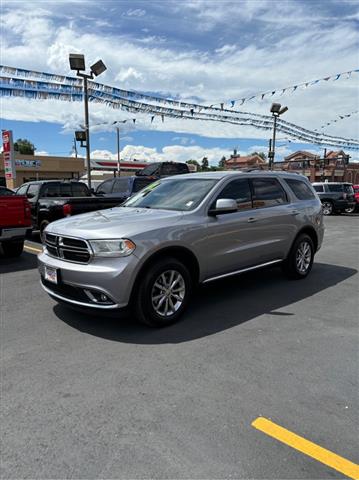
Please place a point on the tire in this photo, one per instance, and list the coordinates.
(43, 225)
(299, 262)
(154, 304)
(327, 207)
(350, 210)
(13, 249)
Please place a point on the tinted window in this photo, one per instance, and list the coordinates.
(105, 187)
(173, 168)
(33, 190)
(301, 189)
(140, 183)
(79, 190)
(22, 190)
(239, 191)
(349, 189)
(65, 190)
(150, 170)
(5, 192)
(267, 192)
(318, 188)
(49, 190)
(121, 186)
(335, 188)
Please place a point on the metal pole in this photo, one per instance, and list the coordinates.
(118, 152)
(87, 129)
(273, 141)
(270, 154)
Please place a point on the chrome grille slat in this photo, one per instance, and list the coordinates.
(69, 249)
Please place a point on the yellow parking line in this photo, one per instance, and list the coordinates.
(320, 454)
(32, 249)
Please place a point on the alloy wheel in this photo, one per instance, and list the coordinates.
(327, 208)
(168, 293)
(303, 257)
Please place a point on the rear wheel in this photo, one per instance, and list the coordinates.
(300, 259)
(350, 210)
(13, 249)
(327, 208)
(163, 293)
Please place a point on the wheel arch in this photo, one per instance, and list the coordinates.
(310, 231)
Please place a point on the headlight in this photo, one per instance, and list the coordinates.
(120, 247)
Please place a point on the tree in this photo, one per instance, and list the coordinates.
(24, 146)
(205, 164)
(222, 163)
(260, 154)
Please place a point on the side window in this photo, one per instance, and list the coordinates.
(49, 190)
(318, 188)
(105, 187)
(169, 169)
(79, 190)
(300, 189)
(335, 188)
(121, 185)
(33, 190)
(267, 192)
(238, 190)
(22, 190)
(140, 183)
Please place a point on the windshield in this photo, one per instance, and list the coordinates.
(174, 194)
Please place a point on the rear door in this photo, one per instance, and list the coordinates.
(12, 211)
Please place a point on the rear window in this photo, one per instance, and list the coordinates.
(5, 192)
(140, 183)
(349, 189)
(121, 186)
(79, 190)
(173, 168)
(149, 170)
(267, 192)
(318, 188)
(300, 189)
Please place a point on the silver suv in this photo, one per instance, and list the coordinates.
(180, 231)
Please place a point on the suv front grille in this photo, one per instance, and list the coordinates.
(67, 248)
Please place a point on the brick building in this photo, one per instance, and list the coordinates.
(236, 162)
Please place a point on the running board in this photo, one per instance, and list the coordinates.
(248, 269)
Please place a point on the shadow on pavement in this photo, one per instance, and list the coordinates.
(215, 307)
(26, 261)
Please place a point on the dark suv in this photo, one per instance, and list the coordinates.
(335, 196)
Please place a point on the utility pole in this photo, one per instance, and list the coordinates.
(118, 152)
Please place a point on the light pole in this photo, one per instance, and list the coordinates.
(118, 152)
(77, 62)
(276, 110)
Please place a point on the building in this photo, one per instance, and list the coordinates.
(38, 167)
(236, 162)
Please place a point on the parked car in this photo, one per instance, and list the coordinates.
(125, 187)
(178, 232)
(122, 188)
(336, 197)
(356, 200)
(15, 222)
(52, 200)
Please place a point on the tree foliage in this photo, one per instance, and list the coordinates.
(260, 154)
(24, 146)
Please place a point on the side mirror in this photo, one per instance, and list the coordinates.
(224, 205)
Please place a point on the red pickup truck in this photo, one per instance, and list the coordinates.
(15, 222)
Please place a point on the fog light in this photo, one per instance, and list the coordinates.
(98, 297)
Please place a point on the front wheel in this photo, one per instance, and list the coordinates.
(299, 262)
(163, 293)
(13, 249)
(350, 210)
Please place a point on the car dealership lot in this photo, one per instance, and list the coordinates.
(91, 397)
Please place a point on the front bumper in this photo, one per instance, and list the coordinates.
(83, 285)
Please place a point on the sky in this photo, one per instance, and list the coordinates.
(202, 51)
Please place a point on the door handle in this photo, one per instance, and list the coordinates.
(252, 220)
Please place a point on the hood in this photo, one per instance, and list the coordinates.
(115, 222)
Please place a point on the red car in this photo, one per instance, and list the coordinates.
(15, 222)
(356, 196)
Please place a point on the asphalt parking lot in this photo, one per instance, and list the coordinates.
(91, 397)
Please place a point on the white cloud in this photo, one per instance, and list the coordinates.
(137, 12)
(44, 153)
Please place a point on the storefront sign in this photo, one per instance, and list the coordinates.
(28, 163)
(8, 155)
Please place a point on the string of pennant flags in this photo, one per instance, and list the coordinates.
(129, 101)
(335, 120)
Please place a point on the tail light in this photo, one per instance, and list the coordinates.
(67, 210)
(345, 196)
(27, 210)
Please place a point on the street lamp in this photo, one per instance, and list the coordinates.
(276, 110)
(77, 63)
